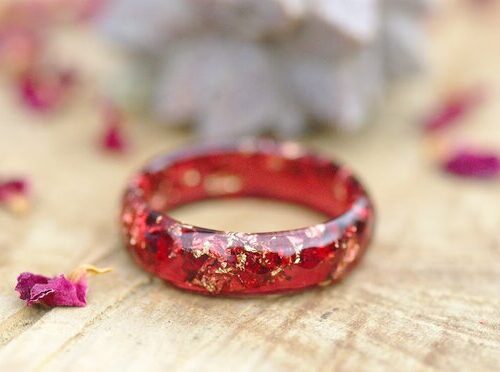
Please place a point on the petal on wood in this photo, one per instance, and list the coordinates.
(58, 291)
(473, 164)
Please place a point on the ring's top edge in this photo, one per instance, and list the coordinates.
(287, 149)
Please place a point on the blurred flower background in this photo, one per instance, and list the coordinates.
(232, 68)
(245, 66)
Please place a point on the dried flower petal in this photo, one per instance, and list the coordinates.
(57, 291)
(113, 139)
(45, 91)
(473, 164)
(15, 186)
(14, 194)
(452, 110)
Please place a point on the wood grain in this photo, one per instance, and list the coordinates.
(426, 297)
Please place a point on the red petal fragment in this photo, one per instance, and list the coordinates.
(452, 110)
(52, 292)
(12, 188)
(473, 164)
(43, 92)
(14, 195)
(113, 139)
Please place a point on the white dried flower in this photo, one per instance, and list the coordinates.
(238, 67)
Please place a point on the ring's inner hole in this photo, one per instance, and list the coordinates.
(247, 215)
(308, 181)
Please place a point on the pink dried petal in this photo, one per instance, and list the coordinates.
(473, 164)
(13, 187)
(57, 291)
(14, 195)
(44, 92)
(26, 281)
(452, 110)
(113, 139)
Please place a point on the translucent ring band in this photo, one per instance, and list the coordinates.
(236, 263)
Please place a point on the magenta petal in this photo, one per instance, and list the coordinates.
(13, 187)
(451, 111)
(44, 92)
(474, 164)
(52, 292)
(113, 140)
(26, 281)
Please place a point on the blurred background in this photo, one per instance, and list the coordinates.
(406, 92)
(132, 78)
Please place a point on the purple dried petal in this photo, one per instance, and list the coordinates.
(13, 187)
(45, 91)
(57, 291)
(454, 109)
(26, 281)
(14, 195)
(473, 164)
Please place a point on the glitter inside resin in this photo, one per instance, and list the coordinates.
(236, 263)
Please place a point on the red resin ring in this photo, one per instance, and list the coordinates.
(235, 263)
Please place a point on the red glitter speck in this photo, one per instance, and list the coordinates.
(311, 257)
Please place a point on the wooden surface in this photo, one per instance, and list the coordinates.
(426, 296)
